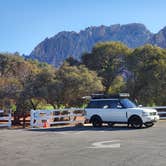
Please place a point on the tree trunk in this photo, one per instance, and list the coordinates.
(24, 120)
(17, 117)
(34, 106)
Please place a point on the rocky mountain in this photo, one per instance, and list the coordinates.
(56, 49)
(159, 39)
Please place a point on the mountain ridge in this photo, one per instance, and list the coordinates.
(56, 49)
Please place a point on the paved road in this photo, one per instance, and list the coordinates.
(84, 146)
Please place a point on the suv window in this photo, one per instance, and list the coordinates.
(103, 104)
(93, 104)
(114, 103)
(127, 103)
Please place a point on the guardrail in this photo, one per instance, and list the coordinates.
(161, 111)
(5, 121)
(46, 118)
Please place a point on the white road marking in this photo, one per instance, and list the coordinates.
(106, 144)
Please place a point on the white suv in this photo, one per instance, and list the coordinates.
(119, 110)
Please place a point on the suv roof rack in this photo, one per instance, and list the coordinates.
(107, 96)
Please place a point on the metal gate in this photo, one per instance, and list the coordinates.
(46, 118)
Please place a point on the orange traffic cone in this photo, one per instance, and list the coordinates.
(45, 125)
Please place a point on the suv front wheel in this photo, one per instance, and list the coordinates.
(135, 122)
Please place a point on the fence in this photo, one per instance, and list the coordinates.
(46, 118)
(161, 111)
(5, 120)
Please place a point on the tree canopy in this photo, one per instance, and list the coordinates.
(147, 65)
(140, 71)
(108, 60)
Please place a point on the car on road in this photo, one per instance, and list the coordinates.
(118, 109)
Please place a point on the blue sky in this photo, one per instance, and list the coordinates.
(25, 23)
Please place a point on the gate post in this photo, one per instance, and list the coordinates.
(9, 119)
(32, 119)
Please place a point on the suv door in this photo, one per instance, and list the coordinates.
(115, 111)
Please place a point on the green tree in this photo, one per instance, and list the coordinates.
(76, 82)
(15, 73)
(65, 86)
(118, 85)
(108, 60)
(147, 83)
(72, 62)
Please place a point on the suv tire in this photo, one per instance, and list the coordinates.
(135, 122)
(96, 121)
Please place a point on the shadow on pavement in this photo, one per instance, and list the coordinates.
(82, 128)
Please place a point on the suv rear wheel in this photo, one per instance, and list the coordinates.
(96, 121)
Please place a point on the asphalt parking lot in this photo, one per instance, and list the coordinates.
(84, 146)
